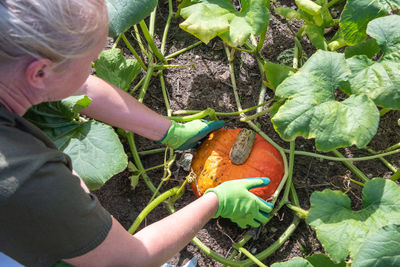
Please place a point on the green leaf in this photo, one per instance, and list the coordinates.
(316, 36)
(311, 110)
(288, 13)
(380, 248)
(125, 13)
(94, 148)
(207, 19)
(276, 73)
(112, 67)
(357, 14)
(316, 260)
(368, 48)
(135, 176)
(319, 260)
(96, 153)
(295, 262)
(380, 80)
(74, 104)
(343, 231)
(386, 32)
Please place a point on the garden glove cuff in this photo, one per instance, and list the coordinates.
(241, 206)
(182, 136)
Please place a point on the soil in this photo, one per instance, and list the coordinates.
(208, 85)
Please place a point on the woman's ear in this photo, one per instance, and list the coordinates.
(38, 71)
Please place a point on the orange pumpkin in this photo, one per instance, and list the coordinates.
(212, 166)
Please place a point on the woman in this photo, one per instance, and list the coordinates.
(46, 212)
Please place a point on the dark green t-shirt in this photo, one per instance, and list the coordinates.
(45, 215)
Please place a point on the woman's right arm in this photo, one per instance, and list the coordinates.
(154, 244)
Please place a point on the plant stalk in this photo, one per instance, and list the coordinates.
(384, 161)
(310, 154)
(139, 40)
(184, 112)
(150, 41)
(255, 116)
(167, 25)
(165, 95)
(251, 257)
(151, 151)
(132, 50)
(147, 79)
(353, 168)
(137, 85)
(207, 112)
(138, 162)
(171, 192)
(233, 79)
(299, 211)
(183, 50)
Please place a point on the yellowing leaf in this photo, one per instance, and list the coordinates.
(207, 19)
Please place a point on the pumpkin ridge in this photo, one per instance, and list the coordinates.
(278, 160)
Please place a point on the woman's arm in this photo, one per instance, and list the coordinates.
(117, 108)
(158, 242)
(154, 244)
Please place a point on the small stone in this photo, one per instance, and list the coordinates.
(185, 161)
(225, 75)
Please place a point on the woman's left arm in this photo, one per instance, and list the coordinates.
(117, 108)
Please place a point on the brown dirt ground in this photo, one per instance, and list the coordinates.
(208, 86)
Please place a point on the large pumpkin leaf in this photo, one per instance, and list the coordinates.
(276, 73)
(343, 231)
(381, 248)
(95, 150)
(126, 13)
(368, 48)
(207, 19)
(319, 260)
(311, 110)
(96, 153)
(316, 260)
(295, 262)
(380, 80)
(357, 14)
(112, 66)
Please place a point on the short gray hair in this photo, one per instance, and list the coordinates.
(59, 30)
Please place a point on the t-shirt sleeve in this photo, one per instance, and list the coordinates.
(45, 215)
(50, 217)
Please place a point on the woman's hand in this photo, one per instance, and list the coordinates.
(240, 205)
(182, 136)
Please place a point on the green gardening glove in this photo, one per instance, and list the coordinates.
(241, 206)
(182, 136)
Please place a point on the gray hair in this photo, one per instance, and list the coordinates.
(59, 30)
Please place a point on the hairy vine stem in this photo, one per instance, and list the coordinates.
(315, 155)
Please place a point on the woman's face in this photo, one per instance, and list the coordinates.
(72, 76)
